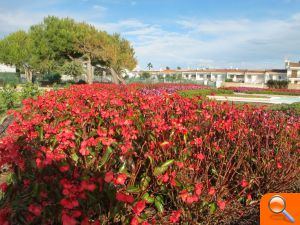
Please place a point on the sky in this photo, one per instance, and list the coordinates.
(256, 34)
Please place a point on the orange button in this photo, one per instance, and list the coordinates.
(283, 208)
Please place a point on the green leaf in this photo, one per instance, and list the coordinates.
(147, 198)
(163, 168)
(75, 157)
(123, 168)
(159, 204)
(105, 157)
(145, 183)
(151, 160)
(133, 189)
(212, 207)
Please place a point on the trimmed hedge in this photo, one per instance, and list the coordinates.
(9, 78)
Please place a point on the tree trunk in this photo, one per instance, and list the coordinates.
(28, 74)
(116, 78)
(89, 72)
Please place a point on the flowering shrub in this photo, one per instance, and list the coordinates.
(107, 154)
(264, 90)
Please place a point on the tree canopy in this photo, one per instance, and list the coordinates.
(57, 44)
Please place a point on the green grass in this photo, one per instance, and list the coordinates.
(272, 92)
(292, 108)
(204, 92)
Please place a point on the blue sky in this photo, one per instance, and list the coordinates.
(186, 33)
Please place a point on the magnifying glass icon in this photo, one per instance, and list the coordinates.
(277, 205)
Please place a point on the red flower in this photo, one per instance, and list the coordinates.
(198, 141)
(244, 183)
(200, 156)
(76, 213)
(183, 195)
(175, 216)
(179, 164)
(279, 165)
(198, 189)
(221, 204)
(35, 209)
(134, 221)
(84, 151)
(164, 178)
(3, 187)
(212, 191)
(64, 168)
(68, 220)
(85, 185)
(139, 207)
(124, 198)
(191, 199)
(69, 204)
(109, 176)
(121, 178)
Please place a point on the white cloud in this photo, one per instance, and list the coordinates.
(215, 43)
(99, 8)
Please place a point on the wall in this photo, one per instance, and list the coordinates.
(7, 69)
(232, 84)
(294, 86)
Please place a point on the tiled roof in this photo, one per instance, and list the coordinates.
(292, 64)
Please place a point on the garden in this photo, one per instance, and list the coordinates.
(143, 154)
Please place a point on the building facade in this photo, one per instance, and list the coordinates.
(7, 69)
(290, 73)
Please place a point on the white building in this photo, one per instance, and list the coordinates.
(291, 73)
(7, 69)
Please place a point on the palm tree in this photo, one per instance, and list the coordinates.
(149, 66)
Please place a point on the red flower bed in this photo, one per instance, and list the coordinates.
(106, 154)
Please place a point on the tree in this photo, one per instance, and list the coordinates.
(178, 68)
(167, 68)
(120, 55)
(149, 66)
(56, 44)
(72, 68)
(145, 75)
(16, 50)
